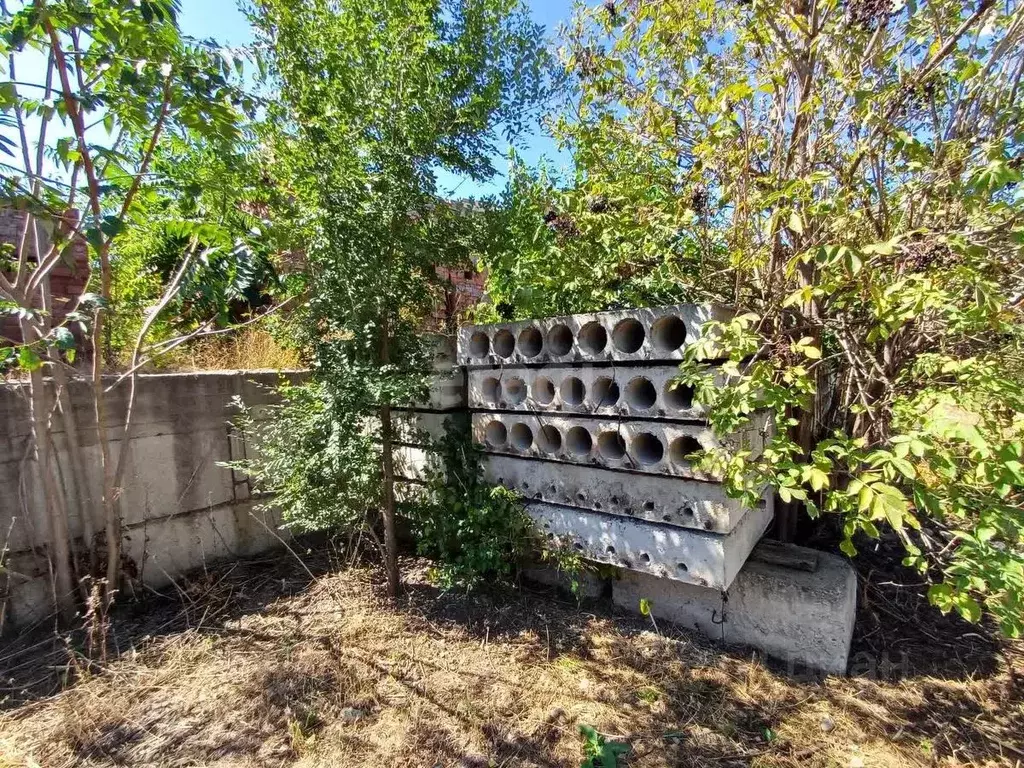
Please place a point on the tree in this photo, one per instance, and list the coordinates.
(374, 97)
(847, 175)
(116, 83)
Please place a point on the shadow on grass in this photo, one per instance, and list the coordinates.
(697, 703)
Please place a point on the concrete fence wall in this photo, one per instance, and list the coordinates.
(180, 509)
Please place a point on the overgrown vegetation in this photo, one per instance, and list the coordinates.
(99, 102)
(847, 175)
(473, 530)
(372, 99)
(215, 200)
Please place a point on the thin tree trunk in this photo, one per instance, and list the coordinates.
(58, 538)
(387, 441)
(111, 515)
(81, 495)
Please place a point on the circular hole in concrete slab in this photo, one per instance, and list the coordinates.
(543, 390)
(604, 393)
(593, 338)
(611, 446)
(681, 448)
(515, 391)
(491, 389)
(649, 506)
(521, 437)
(641, 394)
(559, 340)
(578, 547)
(686, 512)
(647, 449)
(628, 335)
(549, 440)
(682, 567)
(678, 396)
(610, 550)
(572, 391)
(644, 557)
(504, 343)
(496, 434)
(579, 442)
(668, 333)
(531, 342)
(479, 344)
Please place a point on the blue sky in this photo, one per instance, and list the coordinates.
(224, 22)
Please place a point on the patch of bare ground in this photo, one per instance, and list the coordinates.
(262, 663)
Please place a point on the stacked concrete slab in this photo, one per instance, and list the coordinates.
(584, 416)
(418, 427)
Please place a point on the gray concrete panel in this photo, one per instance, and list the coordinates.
(637, 335)
(656, 499)
(656, 447)
(645, 392)
(680, 554)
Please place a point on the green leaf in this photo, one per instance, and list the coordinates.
(969, 609)
(63, 339)
(645, 606)
(28, 359)
(796, 223)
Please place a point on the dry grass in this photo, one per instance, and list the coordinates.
(249, 349)
(261, 666)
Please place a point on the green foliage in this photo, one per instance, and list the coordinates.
(474, 531)
(373, 98)
(317, 457)
(598, 752)
(123, 87)
(590, 247)
(848, 176)
(213, 202)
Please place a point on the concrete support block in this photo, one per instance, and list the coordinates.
(795, 615)
(685, 605)
(695, 557)
(649, 392)
(804, 618)
(635, 335)
(657, 447)
(657, 499)
(443, 351)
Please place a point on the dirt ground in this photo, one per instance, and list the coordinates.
(266, 663)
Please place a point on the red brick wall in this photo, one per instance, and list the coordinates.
(462, 289)
(67, 280)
